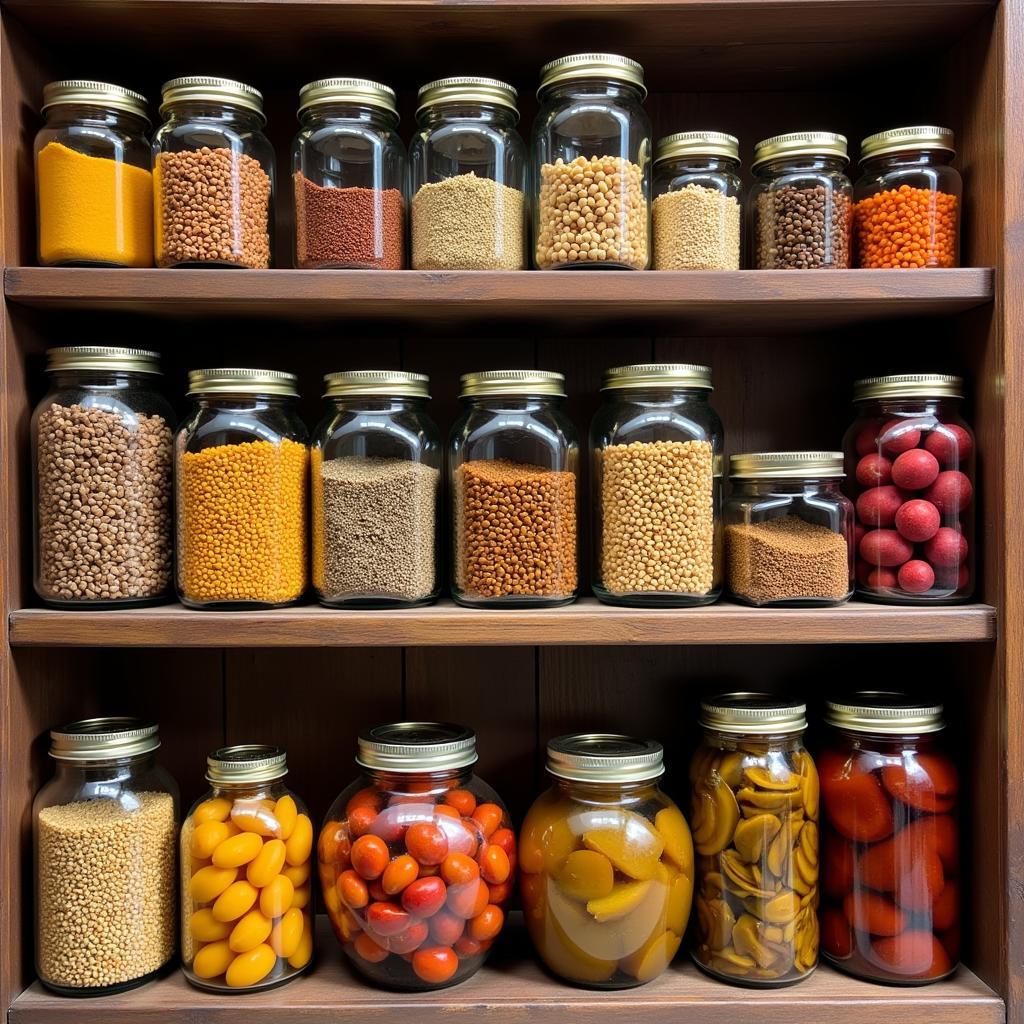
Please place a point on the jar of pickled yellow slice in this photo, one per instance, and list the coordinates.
(606, 864)
(755, 832)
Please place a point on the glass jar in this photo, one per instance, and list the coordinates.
(467, 177)
(514, 463)
(214, 176)
(592, 164)
(94, 189)
(105, 829)
(789, 529)
(246, 891)
(241, 471)
(656, 487)
(892, 852)
(755, 831)
(697, 213)
(417, 859)
(910, 470)
(606, 864)
(376, 490)
(801, 202)
(101, 456)
(348, 170)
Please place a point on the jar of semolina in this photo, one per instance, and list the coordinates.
(656, 446)
(241, 465)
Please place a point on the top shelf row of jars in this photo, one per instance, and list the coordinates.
(464, 195)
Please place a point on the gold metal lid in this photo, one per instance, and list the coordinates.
(417, 747)
(753, 713)
(683, 144)
(800, 144)
(103, 739)
(909, 385)
(348, 90)
(592, 65)
(605, 757)
(230, 380)
(785, 465)
(884, 711)
(200, 88)
(376, 382)
(656, 375)
(466, 89)
(97, 94)
(895, 140)
(100, 357)
(250, 762)
(512, 382)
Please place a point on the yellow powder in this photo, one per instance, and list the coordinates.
(93, 209)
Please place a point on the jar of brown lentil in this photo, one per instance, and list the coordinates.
(514, 461)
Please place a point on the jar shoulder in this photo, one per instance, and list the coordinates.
(211, 427)
(625, 421)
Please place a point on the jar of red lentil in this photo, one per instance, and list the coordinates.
(907, 201)
(348, 172)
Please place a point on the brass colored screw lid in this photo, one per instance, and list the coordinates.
(909, 385)
(753, 713)
(235, 381)
(512, 382)
(605, 757)
(466, 89)
(896, 140)
(377, 382)
(100, 357)
(683, 144)
(785, 465)
(655, 375)
(199, 88)
(98, 94)
(882, 711)
(251, 762)
(800, 144)
(592, 65)
(417, 747)
(325, 91)
(103, 739)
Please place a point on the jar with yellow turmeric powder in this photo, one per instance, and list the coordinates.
(241, 464)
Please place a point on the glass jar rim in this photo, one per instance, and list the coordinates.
(102, 358)
(93, 740)
(210, 89)
(580, 66)
(364, 91)
(416, 747)
(246, 763)
(885, 712)
(467, 89)
(753, 713)
(382, 383)
(230, 380)
(604, 758)
(87, 92)
(697, 144)
(899, 140)
(909, 385)
(800, 144)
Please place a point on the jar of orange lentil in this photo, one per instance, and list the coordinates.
(241, 464)
(907, 202)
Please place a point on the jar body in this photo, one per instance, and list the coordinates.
(241, 472)
(94, 188)
(915, 520)
(105, 854)
(892, 911)
(592, 153)
(213, 187)
(755, 832)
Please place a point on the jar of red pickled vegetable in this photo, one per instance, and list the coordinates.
(417, 858)
(910, 470)
(891, 850)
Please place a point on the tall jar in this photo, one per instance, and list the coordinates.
(910, 470)
(376, 492)
(417, 859)
(101, 458)
(348, 172)
(105, 830)
(467, 177)
(241, 472)
(892, 854)
(697, 213)
(514, 463)
(592, 164)
(246, 891)
(94, 189)
(755, 830)
(907, 201)
(214, 176)
(801, 199)
(656, 444)
(789, 529)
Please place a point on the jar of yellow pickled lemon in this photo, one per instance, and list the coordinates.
(606, 863)
(246, 915)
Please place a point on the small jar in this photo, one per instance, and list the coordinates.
(348, 171)
(789, 529)
(606, 864)
(907, 201)
(656, 444)
(105, 834)
(755, 831)
(376, 489)
(910, 470)
(214, 176)
(246, 891)
(514, 463)
(801, 202)
(892, 849)
(697, 212)
(592, 164)
(467, 177)
(102, 457)
(417, 859)
(94, 188)
(241, 471)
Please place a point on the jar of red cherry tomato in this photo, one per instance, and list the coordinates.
(891, 854)
(417, 858)
(910, 470)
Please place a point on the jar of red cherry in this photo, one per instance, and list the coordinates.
(417, 858)
(890, 873)
(910, 470)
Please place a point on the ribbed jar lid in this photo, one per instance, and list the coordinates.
(86, 92)
(753, 713)
(325, 91)
(697, 143)
(909, 385)
(592, 65)
(512, 382)
(896, 140)
(103, 739)
(466, 89)
(249, 762)
(417, 747)
(785, 465)
(100, 357)
(203, 88)
(654, 375)
(800, 144)
(231, 380)
(605, 757)
(884, 711)
(376, 382)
